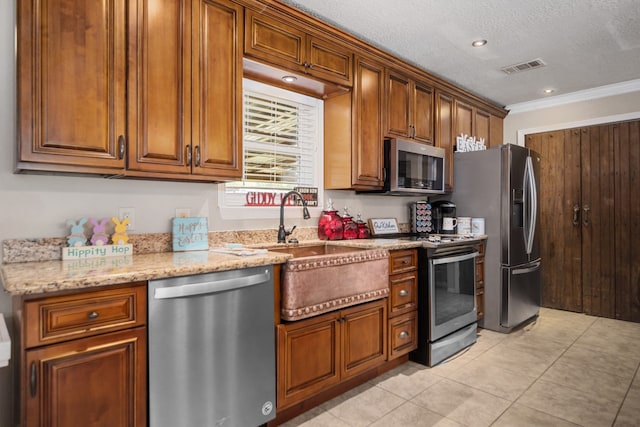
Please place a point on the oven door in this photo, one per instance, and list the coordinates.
(451, 292)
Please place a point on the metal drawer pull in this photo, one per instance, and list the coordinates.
(403, 293)
(93, 315)
(404, 334)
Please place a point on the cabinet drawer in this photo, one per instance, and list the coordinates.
(403, 292)
(70, 316)
(403, 334)
(402, 261)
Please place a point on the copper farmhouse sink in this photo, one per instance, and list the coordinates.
(326, 277)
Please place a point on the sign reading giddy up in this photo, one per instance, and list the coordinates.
(190, 234)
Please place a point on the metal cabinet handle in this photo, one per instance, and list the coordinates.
(197, 156)
(403, 293)
(586, 209)
(121, 144)
(33, 380)
(93, 315)
(188, 155)
(576, 215)
(404, 334)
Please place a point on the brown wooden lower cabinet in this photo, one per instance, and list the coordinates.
(589, 203)
(83, 358)
(322, 351)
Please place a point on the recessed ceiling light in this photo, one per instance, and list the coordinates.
(548, 91)
(478, 43)
(289, 79)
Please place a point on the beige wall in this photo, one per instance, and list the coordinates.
(583, 113)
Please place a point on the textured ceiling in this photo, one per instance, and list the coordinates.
(585, 43)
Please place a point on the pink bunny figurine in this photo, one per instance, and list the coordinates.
(99, 237)
(120, 237)
(77, 237)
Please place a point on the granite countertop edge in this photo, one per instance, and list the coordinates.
(39, 277)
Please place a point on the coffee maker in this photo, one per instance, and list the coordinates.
(443, 209)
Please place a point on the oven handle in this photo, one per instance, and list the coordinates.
(450, 259)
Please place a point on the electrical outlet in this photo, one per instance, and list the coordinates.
(183, 212)
(128, 213)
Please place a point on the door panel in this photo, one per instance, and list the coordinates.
(597, 221)
(560, 248)
(626, 138)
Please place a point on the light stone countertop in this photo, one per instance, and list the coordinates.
(51, 276)
(37, 277)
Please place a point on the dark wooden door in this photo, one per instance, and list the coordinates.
(560, 232)
(626, 145)
(589, 204)
(597, 211)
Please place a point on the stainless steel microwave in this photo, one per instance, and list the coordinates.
(413, 168)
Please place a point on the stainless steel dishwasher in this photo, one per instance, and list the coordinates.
(212, 349)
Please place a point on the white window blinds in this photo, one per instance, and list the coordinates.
(280, 140)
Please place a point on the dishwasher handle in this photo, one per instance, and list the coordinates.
(210, 287)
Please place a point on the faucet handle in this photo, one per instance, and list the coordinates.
(288, 233)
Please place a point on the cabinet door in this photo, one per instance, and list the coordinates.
(308, 358)
(364, 337)
(403, 334)
(92, 381)
(422, 113)
(397, 108)
(217, 89)
(72, 58)
(445, 137)
(367, 144)
(274, 41)
(160, 108)
(482, 122)
(329, 60)
(463, 119)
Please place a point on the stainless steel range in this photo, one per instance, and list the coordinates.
(447, 313)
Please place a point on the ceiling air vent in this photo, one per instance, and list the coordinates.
(524, 66)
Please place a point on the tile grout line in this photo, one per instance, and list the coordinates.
(540, 376)
(624, 399)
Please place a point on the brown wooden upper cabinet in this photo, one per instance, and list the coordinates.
(286, 46)
(353, 131)
(189, 97)
(180, 116)
(72, 84)
(409, 108)
(472, 121)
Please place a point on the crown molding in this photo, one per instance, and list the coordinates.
(581, 95)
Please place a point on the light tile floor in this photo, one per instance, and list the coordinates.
(566, 369)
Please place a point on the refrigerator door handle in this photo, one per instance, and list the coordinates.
(534, 267)
(530, 208)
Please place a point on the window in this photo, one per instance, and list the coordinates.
(282, 143)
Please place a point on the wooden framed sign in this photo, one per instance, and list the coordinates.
(380, 226)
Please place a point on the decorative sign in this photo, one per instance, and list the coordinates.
(383, 226)
(274, 198)
(84, 252)
(310, 195)
(190, 234)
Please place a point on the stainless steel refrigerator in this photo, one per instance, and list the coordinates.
(501, 185)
